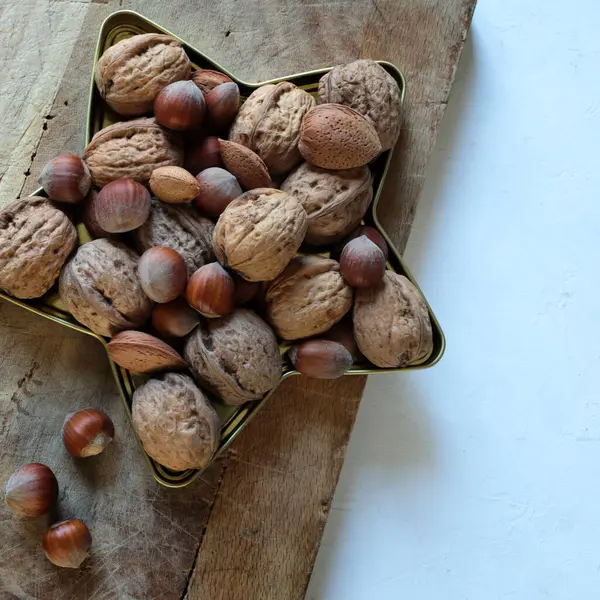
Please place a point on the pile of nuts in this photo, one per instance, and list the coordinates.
(198, 214)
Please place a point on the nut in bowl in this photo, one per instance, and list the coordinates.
(104, 297)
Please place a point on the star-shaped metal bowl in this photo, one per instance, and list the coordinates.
(124, 24)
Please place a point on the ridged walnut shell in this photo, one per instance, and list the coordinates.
(309, 297)
(368, 88)
(334, 136)
(175, 422)
(100, 288)
(35, 240)
(335, 201)
(269, 124)
(237, 356)
(131, 149)
(391, 323)
(181, 228)
(143, 353)
(130, 74)
(258, 233)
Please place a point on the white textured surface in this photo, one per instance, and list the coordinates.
(480, 479)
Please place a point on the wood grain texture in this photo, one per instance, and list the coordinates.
(274, 489)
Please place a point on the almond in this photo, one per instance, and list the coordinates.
(143, 353)
(174, 185)
(333, 136)
(247, 166)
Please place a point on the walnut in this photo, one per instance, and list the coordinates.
(368, 88)
(309, 297)
(131, 149)
(336, 201)
(236, 356)
(175, 422)
(100, 288)
(130, 74)
(258, 233)
(35, 240)
(181, 228)
(269, 124)
(391, 323)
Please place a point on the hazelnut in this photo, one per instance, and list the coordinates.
(362, 263)
(174, 185)
(121, 205)
(372, 234)
(31, 491)
(218, 188)
(222, 104)
(320, 359)
(88, 216)
(203, 155)
(162, 273)
(143, 353)
(247, 166)
(343, 333)
(180, 106)
(391, 323)
(259, 233)
(87, 432)
(211, 291)
(206, 79)
(67, 544)
(334, 136)
(174, 319)
(66, 178)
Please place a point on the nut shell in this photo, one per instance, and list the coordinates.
(335, 201)
(180, 228)
(237, 356)
(180, 106)
(35, 240)
(320, 359)
(391, 323)
(308, 298)
(101, 289)
(174, 185)
(130, 74)
(175, 422)
(269, 124)
(259, 233)
(368, 88)
(143, 353)
(131, 149)
(247, 166)
(206, 79)
(66, 178)
(337, 137)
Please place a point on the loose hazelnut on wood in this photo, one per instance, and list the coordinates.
(180, 106)
(206, 79)
(31, 491)
(320, 359)
(122, 205)
(162, 273)
(218, 188)
(174, 319)
(222, 104)
(203, 155)
(173, 185)
(211, 291)
(67, 544)
(66, 178)
(87, 432)
(362, 263)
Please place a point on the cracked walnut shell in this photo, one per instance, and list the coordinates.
(269, 124)
(35, 240)
(181, 228)
(391, 323)
(335, 201)
(175, 422)
(131, 149)
(258, 233)
(101, 289)
(237, 356)
(369, 89)
(309, 297)
(130, 74)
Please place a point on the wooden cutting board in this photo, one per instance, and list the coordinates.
(251, 529)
